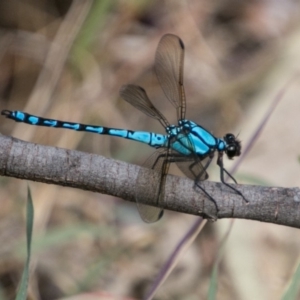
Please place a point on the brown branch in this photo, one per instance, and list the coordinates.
(99, 174)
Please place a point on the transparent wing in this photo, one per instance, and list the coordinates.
(193, 169)
(137, 97)
(159, 163)
(169, 60)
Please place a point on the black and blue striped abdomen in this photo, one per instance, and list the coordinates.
(152, 139)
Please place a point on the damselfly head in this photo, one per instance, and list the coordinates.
(233, 146)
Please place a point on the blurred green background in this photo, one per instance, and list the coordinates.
(67, 60)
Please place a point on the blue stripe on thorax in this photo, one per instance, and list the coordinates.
(203, 134)
(196, 139)
(188, 144)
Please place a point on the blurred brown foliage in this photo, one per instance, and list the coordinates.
(67, 60)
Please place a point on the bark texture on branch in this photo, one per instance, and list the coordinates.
(96, 173)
